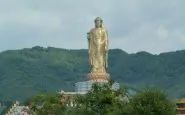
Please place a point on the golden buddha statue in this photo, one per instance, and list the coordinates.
(98, 48)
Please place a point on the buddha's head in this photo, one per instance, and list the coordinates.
(98, 22)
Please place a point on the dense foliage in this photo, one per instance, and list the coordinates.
(26, 72)
(46, 103)
(152, 102)
(102, 100)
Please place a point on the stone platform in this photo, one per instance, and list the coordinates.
(84, 87)
(98, 78)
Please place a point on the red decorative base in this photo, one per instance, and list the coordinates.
(98, 77)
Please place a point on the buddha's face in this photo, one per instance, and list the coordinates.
(98, 23)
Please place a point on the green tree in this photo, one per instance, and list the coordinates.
(102, 100)
(152, 102)
(46, 103)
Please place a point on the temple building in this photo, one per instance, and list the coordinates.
(181, 107)
(67, 98)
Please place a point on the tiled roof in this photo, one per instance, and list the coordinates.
(180, 109)
(181, 101)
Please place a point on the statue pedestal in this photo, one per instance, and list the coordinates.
(98, 77)
(84, 87)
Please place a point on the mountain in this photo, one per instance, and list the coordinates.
(28, 71)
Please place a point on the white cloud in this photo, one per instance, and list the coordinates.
(32, 18)
(162, 32)
(153, 26)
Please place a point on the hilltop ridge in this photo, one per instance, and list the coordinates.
(28, 71)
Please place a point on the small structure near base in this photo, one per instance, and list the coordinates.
(181, 107)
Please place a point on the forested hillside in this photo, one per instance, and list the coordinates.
(28, 71)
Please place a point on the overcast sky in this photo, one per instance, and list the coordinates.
(154, 26)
